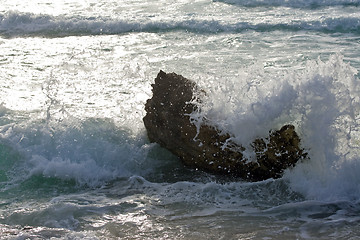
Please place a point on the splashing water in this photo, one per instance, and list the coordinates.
(75, 162)
(321, 100)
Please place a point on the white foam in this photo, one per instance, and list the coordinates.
(14, 23)
(83, 172)
(322, 101)
(292, 3)
(91, 152)
(329, 107)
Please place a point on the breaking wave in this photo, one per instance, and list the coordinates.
(292, 3)
(13, 24)
(322, 101)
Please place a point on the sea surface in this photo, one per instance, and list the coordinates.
(75, 160)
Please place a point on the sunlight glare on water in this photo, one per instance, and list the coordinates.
(54, 8)
(75, 159)
(80, 76)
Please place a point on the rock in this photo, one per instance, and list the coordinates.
(168, 123)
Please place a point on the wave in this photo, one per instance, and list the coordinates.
(16, 24)
(321, 101)
(291, 3)
(73, 150)
(89, 153)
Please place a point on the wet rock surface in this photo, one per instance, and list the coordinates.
(168, 123)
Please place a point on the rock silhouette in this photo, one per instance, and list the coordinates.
(168, 123)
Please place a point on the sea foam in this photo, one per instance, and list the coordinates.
(14, 24)
(321, 100)
(292, 3)
(91, 152)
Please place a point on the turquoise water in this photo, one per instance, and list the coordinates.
(75, 161)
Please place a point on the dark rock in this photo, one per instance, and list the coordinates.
(168, 123)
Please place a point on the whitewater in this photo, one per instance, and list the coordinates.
(75, 160)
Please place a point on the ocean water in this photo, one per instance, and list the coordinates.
(75, 161)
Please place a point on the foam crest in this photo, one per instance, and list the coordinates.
(292, 3)
(65, 169)
(14, 24)
(91, 152)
